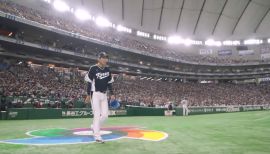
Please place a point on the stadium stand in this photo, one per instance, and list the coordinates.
(90, 30)
(30, 85)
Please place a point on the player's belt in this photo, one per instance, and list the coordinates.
(104, 92)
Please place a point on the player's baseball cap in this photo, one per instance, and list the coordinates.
(103, 55)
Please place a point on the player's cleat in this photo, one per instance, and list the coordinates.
(91, 127)
(99, 141)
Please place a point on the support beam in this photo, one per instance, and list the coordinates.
(123, 10)
(142, 13)
(161, 12)
(180, 15)
(259, 24)
(102, 5)
(241, 16)
(220, 14)
(195, 28)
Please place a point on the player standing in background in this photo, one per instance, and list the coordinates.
(184, 103)
(99, 80)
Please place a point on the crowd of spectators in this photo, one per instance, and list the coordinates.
(107, 35)
(35, 82)
(159, 93)
(40, 86)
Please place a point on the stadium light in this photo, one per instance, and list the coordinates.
(179, 40)
(175, 40)
(60, 6)
(103, 22)
(211, 42)
(188, 42)
(198, 42)
(158, 37)
(268, 40)
(72, 10)
(236, 42)
(82, 14)
(121, 28)
(231, 43)
(253, 41)
(48, 1)
(227, 42)
(218, 43)
(143, 34)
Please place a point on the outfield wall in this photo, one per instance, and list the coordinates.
(45, 113)
(149, 111)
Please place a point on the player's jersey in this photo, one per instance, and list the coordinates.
(99, 79)
(184, 103)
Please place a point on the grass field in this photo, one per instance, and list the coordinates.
(228, 133)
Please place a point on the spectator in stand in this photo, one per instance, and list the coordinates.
(41, 82)
(106, 35)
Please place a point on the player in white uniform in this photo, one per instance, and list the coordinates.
(184, 103)
(99, 80)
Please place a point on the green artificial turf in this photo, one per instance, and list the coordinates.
(228, 133)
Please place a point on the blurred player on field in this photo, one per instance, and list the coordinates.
(184, 103)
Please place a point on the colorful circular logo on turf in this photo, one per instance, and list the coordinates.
(55, 136)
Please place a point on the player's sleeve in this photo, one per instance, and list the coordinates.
(89, 75)
(110, 83)
(89, 79)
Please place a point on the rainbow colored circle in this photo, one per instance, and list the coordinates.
(56, 136)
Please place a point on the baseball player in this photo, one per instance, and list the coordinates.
(99, 80)
(184, 103)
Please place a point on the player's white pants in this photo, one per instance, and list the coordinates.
(185, 111)
(100, 111)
